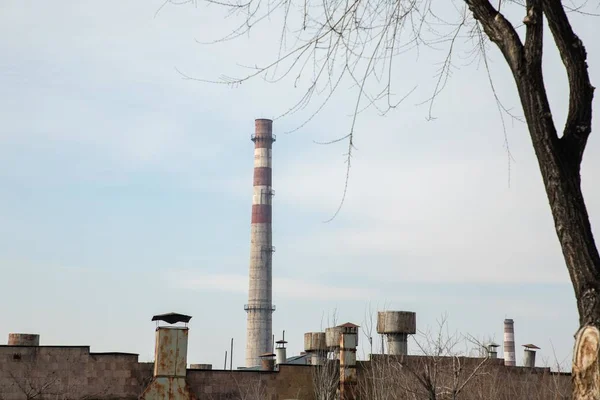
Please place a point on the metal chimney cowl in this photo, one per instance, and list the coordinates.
(170, 362)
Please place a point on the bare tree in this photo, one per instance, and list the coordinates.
(361, 39)
(254, 390)
(35, 388)
(326, 378)
(34, 383)
(444, 372)
(440, 372)
(326, 374)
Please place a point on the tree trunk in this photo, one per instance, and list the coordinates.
(559, 159)
(562, 183)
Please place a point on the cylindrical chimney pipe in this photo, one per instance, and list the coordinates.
(267, 362)
(260, 303)
(492, 350)
(280, 352)
(529, 358)
(280, 355)
(509, 343)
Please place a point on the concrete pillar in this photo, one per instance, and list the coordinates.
(397, 344)
(260, 305)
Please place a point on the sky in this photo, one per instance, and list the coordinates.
(126, 189)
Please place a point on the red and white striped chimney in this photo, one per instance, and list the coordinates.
(260, 303)
(509, 343)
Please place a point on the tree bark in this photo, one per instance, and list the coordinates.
(559, 159)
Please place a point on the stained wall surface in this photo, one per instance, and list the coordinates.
(70, 372)
(290, 382)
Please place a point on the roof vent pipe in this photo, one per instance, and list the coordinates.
(267, 362)
(492, 350)
(280, 351)
(529, 356)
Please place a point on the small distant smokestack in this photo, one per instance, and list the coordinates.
(280, 351)
(529, 356)
(492, 350)
(348, 344)
(23, 339)
(397, 325)
(267, 362)
(509, 343)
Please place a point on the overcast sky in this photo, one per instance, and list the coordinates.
(125, 190)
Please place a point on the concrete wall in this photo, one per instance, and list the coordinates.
(290, 382)
(73, 373)
(485, 379)
(70, 372)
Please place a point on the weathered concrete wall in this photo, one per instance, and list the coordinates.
(483, 379)
(72, 372)
(290, 382)
(60, 372)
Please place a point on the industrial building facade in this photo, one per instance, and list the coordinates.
(327, 370)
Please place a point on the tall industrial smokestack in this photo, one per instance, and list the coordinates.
(509, 343)
(260, 305)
